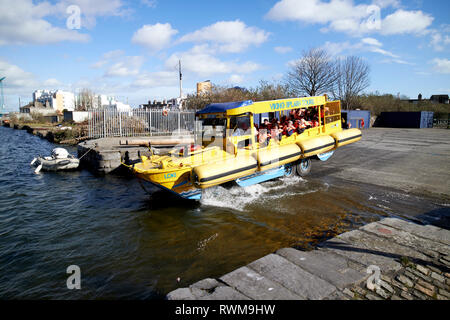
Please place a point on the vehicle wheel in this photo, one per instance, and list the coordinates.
(289, 170)
(303, 167)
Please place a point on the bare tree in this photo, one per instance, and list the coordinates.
(353, 79)
(85, 100)
(315, 73)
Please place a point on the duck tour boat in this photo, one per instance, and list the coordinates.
(247, 143)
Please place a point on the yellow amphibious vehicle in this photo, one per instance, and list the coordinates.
(240, 142)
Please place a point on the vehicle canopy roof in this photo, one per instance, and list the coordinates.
(241, 107)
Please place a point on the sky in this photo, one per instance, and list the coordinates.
(130, 49)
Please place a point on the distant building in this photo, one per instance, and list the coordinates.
(101, 101)
(437, 98)
(204, 87)
(58, 100)
(440, 98)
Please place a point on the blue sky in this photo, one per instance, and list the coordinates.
(130, 49)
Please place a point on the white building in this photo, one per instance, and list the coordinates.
(102, 101)
(58, 100)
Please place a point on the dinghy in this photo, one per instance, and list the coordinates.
(59, 160)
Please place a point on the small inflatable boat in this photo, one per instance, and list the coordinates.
(59, 160)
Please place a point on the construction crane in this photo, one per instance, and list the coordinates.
(2, 98)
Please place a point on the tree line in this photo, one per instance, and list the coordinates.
(315, 73)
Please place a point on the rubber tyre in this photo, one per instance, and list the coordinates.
(289, 170)
(303, 167)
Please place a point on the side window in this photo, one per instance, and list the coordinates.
(240, 125)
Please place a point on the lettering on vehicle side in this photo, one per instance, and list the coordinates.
(291, 104)
(170, 175)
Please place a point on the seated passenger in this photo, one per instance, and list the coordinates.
(305, 124)
(241, 130)
(290, 129)
(265, 124)
(272, 124)
(275, 133)
(262, 138)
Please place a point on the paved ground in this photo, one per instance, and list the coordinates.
(389, 259)
(413, 259)
(412, 160)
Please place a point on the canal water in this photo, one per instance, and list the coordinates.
(129, 245)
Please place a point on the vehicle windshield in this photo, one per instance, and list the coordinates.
(240, 125)
(213, 128)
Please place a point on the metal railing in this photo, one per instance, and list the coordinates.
(138, 122)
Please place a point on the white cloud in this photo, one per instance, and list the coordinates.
(204, 63)
(228, 36)
(21, 23)
(155, 37)
(387, 3)
(21, 83)
(316, 11)
(364, 45)
(402, 21)
(149, 3)
(441, 65)
(398, 61)
(52, 82)
(282, 50)
(130, 66)
(17, 80)
(235, 79)
(382, 51)
(371, 41)
(345, 16)
(156, 79)
(439, 41)
(107, 57)
(89, 10)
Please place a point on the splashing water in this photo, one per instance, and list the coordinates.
(239, 198)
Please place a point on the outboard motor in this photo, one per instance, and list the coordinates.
(60, 153)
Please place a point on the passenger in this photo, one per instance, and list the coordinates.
(265, 124)
(292, 114)
(290, 129)
(292, 117)
(315, 121)
(262, 138)
(305, 124)
(241, 130)
(275, 133)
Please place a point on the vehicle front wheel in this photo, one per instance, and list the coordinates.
(303, 167)
(289, 170)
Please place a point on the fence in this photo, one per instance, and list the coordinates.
(138, 122)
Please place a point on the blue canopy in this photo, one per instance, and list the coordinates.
(223, 107)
